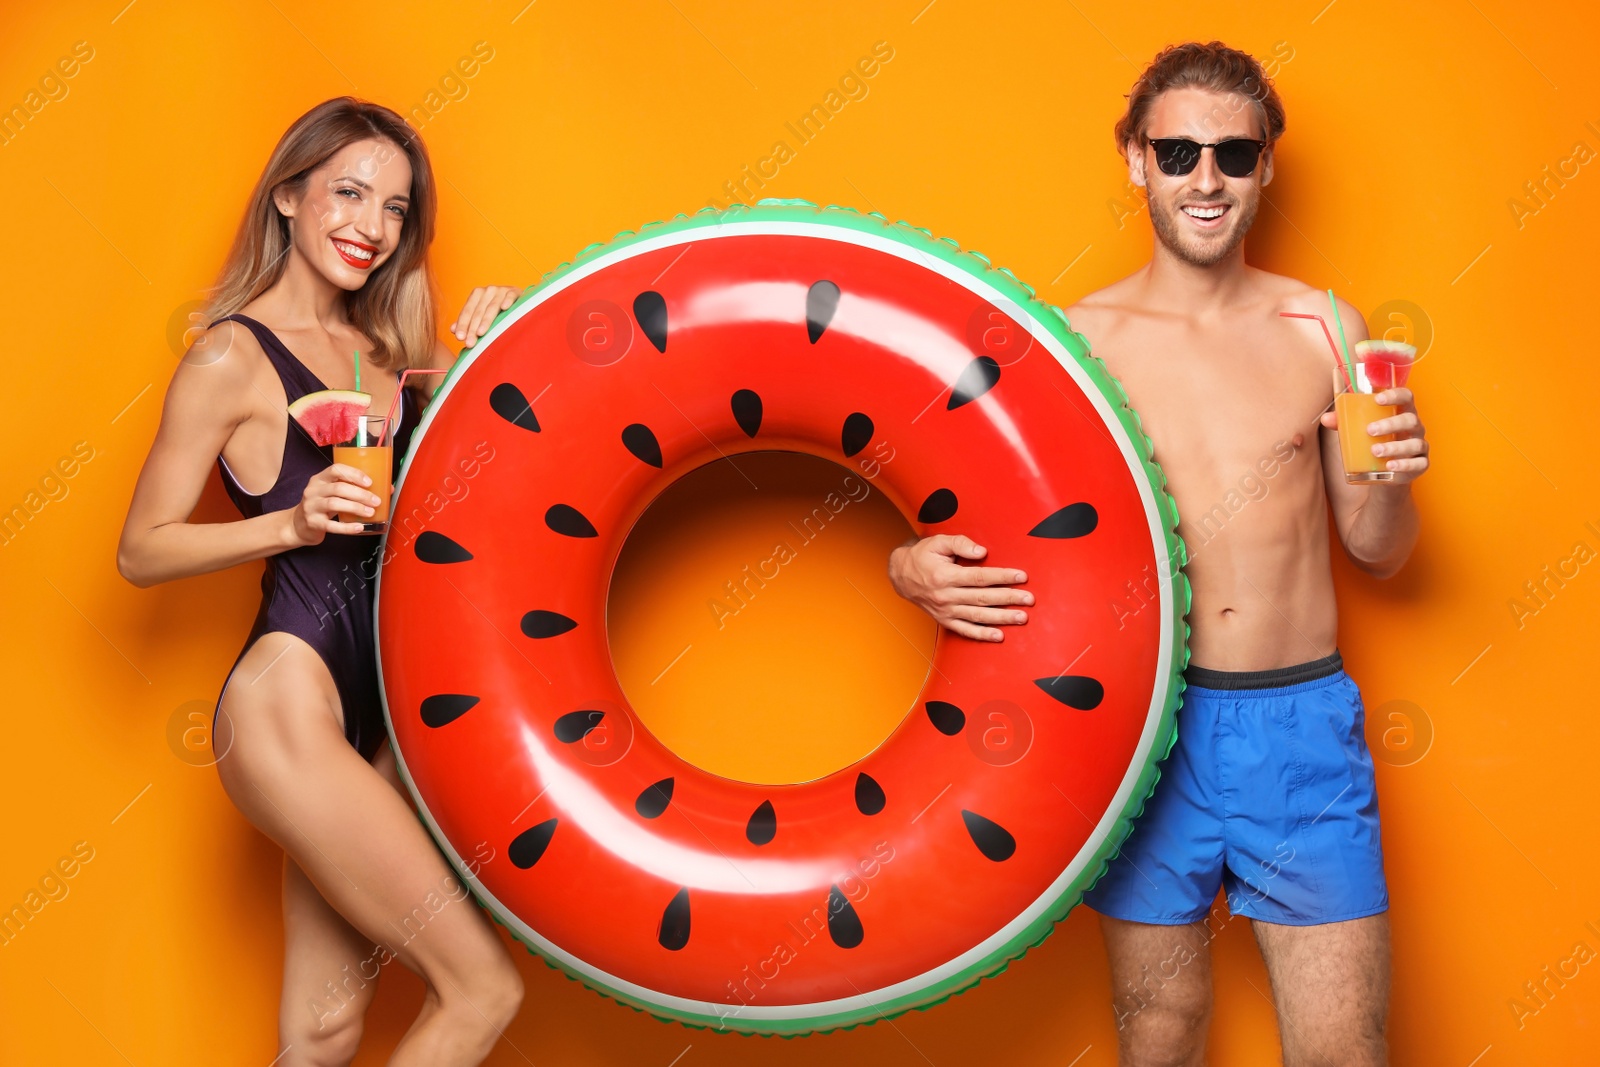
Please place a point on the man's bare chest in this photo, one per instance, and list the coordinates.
(1214, 406)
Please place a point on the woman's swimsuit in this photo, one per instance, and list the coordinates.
(320, 593)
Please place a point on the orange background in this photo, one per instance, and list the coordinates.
(1411, 129)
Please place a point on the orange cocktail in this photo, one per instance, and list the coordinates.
(371, 451)
(1355, 410)
(1379, 365)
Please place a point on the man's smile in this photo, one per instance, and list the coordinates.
(1206, 216)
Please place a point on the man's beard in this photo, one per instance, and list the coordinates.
(1167, 230)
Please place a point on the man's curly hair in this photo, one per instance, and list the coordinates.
(1212, 66)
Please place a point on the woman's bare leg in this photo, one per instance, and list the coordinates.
(293, 774)
(329, 978)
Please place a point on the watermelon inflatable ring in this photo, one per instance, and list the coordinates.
(892, 883)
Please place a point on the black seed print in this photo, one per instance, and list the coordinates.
(568, 521)
(1074, 520)
(979, 377)
(575, 725)
(844, 925)
(747, 411)
(530, 844)
(441, 709)
(432, 547)
(673, 933)
(869, 795)
(653, 800)
(650, 308)
(940, 506)
(822, 300)
(992, 839)
(763, 824)
(509, 403)
(541, 623)
(857, 433)
(946, 718)
(1075, 691)
(641, 441)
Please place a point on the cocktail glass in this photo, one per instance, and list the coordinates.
(371, 451)
(1378, 365)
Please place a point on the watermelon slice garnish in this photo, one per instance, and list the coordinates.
(329, 415)
(1387, 364)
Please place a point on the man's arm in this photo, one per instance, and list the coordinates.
(1378, 524)
(975, 602)
(971, 601)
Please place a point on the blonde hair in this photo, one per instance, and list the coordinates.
(395, 308)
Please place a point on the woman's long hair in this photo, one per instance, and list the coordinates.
(395, 308)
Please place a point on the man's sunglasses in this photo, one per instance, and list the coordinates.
(1236, 157)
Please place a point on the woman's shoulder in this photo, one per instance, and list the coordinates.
(220, 367)
(228, 347)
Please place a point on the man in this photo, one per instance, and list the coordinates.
(1269, 791)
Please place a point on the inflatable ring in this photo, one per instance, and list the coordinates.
(894, 882)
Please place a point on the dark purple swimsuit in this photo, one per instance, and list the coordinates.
(321, 593)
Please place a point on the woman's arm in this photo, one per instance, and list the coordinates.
(207, 400)
(428, 384)
(483, 305)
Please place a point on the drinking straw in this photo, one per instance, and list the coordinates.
(1332, 345)
(1349, 368)
(388, 419)
(357, 355)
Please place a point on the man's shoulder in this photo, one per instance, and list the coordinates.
(1291, 294)
(1096, 311)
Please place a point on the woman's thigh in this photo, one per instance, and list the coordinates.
(293, 774)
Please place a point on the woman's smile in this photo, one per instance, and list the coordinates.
(355, 253)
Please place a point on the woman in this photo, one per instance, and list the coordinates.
(330, 260)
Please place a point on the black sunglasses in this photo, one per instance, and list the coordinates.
(1236, 157)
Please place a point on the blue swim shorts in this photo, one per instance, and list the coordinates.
(1268, 793)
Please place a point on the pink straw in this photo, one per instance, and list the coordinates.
(1326, 333)
(389, 418)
